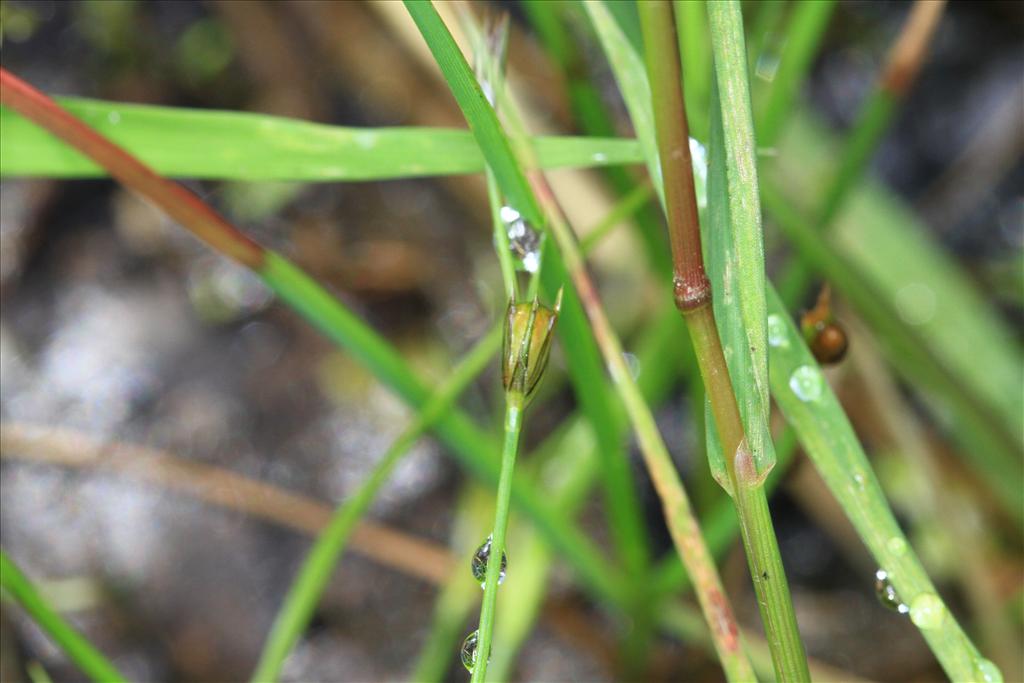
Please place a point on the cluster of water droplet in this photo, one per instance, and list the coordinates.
(523, 240)
(478, 565)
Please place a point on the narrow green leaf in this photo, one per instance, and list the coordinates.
(79, 650)
(226, 145)
(807, 401)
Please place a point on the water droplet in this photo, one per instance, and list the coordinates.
(114, 118)
(523, 240)
(767, 66)
(600, 157)
(916, 303)
(860, 479)
(988, 672)
(807, 383)
(508, 214)
(480, 559)
(468, 652)
(699, 157)
(897, 546)
(777, 334)
(927, 611)
(633, 363)
(531, 262)
(887, 594)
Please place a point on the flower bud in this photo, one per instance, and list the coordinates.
(528, 335)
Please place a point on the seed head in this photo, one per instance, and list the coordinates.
(528, 336)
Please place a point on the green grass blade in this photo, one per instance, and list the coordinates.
(79, 650)
(810, 406)
(316, 571)
(804, 32)
(226, 145)
(695, 54)
(736, 251)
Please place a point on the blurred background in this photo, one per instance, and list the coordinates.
(120, 334)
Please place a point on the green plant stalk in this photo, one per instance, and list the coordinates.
(79, 650)
(693, 298)
(468, 443)
(625, 518)
(695, 51)
(514, 403)
(309, 584)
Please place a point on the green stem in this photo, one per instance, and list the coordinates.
(316, 571)
(693, 298)
(514, 403)
(78, 649)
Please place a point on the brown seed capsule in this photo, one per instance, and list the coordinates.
(527, 343)
(829, 344)
(826, 337)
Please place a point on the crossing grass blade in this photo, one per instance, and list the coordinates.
(225, 145)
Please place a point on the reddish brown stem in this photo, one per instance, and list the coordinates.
(179, 203)
(908, 52)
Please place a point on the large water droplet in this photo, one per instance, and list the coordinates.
(988, 672)
(468, 652)
(777, 335)
(887, 594)
(927, 611)
(523, 240)
(480, 559)
(896, 545)
(699, 156)
(807, 383)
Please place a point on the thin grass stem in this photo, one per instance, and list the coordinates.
(901, 68)
(79, 650)
(311, 580)
(514, 404)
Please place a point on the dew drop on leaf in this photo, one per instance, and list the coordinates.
(807, 383)
(988, 672)
(480, 559)
(468, 652)
(777, 335)
(927, 611)
(887, 594)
